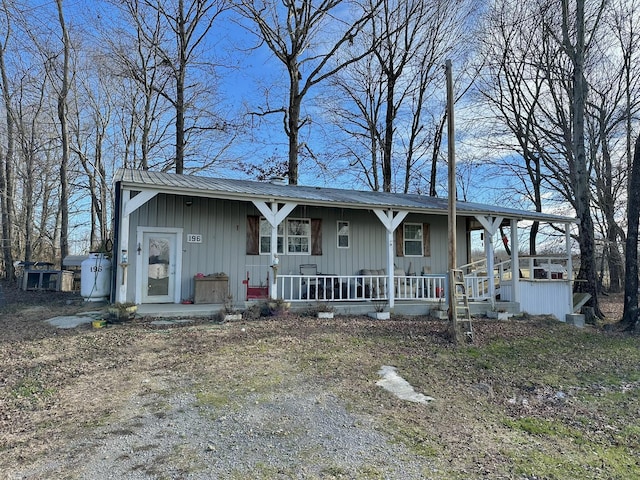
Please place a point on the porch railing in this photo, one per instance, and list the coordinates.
(359, 287)
(477, 279)
(432, 287)
(544, 268)
(529, 268)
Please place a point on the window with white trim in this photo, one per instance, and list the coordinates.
(299, 236)
(265, 237)
(343, 234)
(413, 246)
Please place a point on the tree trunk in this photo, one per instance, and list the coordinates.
(6, 177)
(180, 87)
(587, 275)
(614, 259)
(29, 194)
(630, 318)
(64, 157)
(292, 123)
(437, 142)
(534, 171)
(180, 130)
(387, 152)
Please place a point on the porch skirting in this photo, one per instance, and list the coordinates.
(402, 307)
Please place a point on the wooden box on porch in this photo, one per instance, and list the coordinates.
(211, 289)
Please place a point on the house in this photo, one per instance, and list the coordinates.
(184, 237)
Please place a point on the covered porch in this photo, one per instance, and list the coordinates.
(538, 285)
(543, 285)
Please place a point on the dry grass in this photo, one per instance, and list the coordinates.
(529, 399)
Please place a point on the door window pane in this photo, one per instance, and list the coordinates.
(159, 258)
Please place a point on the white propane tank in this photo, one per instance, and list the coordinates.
(95, 278)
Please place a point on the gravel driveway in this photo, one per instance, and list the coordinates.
(302, 433)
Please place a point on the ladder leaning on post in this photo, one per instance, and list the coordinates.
(460, 306)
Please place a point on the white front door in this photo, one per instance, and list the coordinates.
(159, 267)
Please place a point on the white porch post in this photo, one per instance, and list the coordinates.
(274, 252)
(275, 216)
(491, 225)
(390, 223)
(129, 205)
(515, 261)
(489, 253)
(567, 239)
(121, 293)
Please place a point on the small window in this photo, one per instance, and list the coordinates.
(343, 234)
(298, 236)
(265, 237)
(413, 239)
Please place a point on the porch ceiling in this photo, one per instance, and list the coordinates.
(247, 190)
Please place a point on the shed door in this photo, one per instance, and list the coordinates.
(158, 267)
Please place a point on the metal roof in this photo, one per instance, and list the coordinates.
(248, 190)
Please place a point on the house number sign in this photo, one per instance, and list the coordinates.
(194, 238)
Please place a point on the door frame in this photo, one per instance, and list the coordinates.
(177, 283)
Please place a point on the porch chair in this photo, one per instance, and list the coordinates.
(373, 287)
(404, 287)
(310, 269)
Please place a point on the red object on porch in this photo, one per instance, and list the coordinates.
(256, 292)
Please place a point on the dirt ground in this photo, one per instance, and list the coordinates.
(286, 397)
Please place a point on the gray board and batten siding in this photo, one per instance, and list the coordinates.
(223, 226)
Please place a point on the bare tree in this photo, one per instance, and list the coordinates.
(170, 39)
(614, 107)
(515, 88)
(131, 56)
(6, 155)
(309, 38)
(605, 125)
(89, 132)
(30, 103)
(412, 41)
(357, 111)
(543, 95)
(43, 87)
(30, 132)
(391, 104)
(63, 93)
(401, 28)
(575, 43)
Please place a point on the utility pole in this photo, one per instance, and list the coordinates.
(453, 321)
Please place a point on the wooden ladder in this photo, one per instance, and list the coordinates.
(461, 311)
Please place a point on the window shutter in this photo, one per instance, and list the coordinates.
(316, 236)
(253, 235)
(426, 239)
(400, 240)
